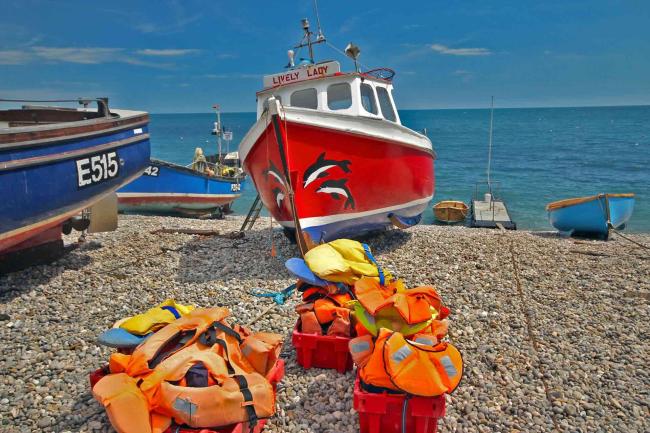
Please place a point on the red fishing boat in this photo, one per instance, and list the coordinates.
(329, 154)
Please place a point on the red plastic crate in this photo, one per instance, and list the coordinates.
(382, 412)
(275, 376)
(322, 351)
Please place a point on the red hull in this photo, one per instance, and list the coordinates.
(34, 236)
(339, 176)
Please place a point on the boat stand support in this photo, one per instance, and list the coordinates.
(253, 214)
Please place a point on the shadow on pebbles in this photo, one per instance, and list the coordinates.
(566, 350)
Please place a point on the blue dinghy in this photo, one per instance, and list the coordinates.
(592, 216)
(168, 189)
(56, 162)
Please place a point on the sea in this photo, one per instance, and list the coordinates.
(539, 155)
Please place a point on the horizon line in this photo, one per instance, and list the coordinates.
(435, 109)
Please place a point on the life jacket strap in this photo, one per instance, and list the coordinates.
(173, 345)
(382, 279)
(376, 389)
(248, 400)
(209, 338)
(172, 310)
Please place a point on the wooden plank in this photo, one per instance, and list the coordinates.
(200, 232)
(490, 211)
(82, 129)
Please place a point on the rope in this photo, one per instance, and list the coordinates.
(282, 295)
(343, 53)
(628, 239)
(278, 297)
(531, 334)
(610, 226)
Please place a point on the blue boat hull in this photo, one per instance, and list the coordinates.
(167, 189)
(589, 217)
(44, 184)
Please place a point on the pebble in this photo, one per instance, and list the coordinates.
(590, 318)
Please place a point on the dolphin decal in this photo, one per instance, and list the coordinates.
(274, 172)
(337, 188)
(279, 196)
(319, 168)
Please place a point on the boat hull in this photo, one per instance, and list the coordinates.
(167, 189)
(45, 182)
(345, 183)
(588, 216)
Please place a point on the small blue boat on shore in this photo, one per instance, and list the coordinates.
(592, 216)
(56, 162)
(168, 189)
(208, 186)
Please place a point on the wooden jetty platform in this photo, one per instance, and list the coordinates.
(490, 213)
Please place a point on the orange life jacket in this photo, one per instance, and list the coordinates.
(146, 391)
(413, 367)
(329, 311)
(395, 307)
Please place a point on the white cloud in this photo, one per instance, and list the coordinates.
(79, 55)
(169, 52)
(86, 56)
(230, 76)
(443, 49)
(14, 57)
(465, 76)
(176, 26)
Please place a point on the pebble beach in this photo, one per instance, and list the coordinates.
(555, 333)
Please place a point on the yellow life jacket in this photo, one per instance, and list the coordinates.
(344, 261)
(148, 389)
(413, 367)
(155, 318)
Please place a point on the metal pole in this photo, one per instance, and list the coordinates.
(219, 134)
(490, 146)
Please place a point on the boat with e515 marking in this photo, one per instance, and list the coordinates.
(56, 162)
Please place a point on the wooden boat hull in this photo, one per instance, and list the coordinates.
(348, 179)
(588, 216)
(168, 189)
(450, 211)
(51, 172)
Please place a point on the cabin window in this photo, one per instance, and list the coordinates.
(385, 104)
(339, 96)
(305, 98)
(368, 98)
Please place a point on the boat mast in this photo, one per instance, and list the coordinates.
(217, 130)
(306, 40)
(490, 146)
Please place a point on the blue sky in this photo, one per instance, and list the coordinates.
(183, 56)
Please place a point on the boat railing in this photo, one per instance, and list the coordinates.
(216, 169)
(102, 103)
(487, 187)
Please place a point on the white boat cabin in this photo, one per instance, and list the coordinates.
(323, 87)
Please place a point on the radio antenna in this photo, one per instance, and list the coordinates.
(490, 144)
(320, 35)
